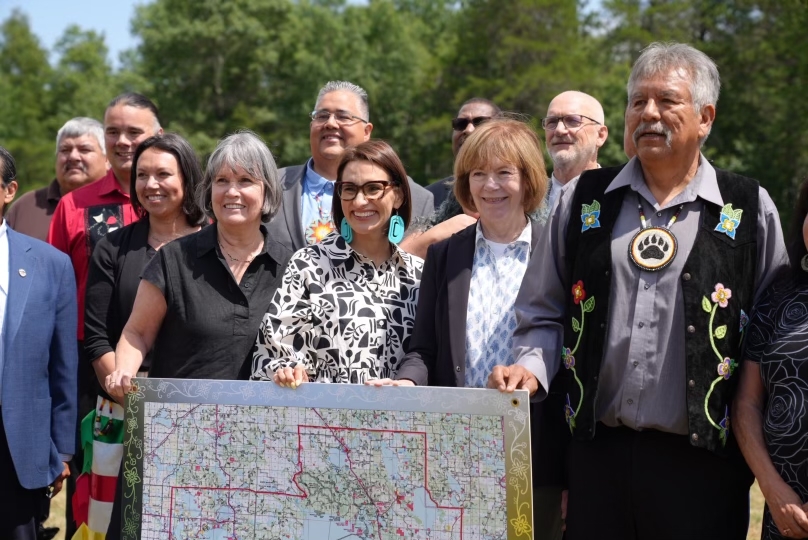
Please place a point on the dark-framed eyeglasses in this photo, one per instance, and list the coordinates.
(347, 191)
(342, 118)
(571, 121)
(460, 124)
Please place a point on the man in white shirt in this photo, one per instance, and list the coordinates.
(575, 129)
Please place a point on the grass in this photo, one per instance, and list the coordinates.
(57, 515)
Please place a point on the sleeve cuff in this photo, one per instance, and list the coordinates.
(65, 457)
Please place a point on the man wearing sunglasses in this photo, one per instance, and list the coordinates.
(574, 130)
(472, 113)
(340, 118)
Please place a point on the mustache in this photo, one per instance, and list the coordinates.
(80, 166)
(656, 127)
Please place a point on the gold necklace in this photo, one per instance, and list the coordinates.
(233, 258)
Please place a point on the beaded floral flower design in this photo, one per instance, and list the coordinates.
(579, 298)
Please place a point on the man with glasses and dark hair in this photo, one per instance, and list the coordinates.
(472, 113)
(341, 118)
(574, 130)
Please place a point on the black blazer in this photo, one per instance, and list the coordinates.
(437, 353)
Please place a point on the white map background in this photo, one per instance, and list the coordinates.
(248, 472)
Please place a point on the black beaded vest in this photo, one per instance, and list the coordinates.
(718, 281)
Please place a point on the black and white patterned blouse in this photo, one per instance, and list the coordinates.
(339, 314)
(778, 341)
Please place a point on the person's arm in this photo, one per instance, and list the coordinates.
(285, 350)
(420, 357)
(98, 309)
(785, 505)
(418, 242)
(540, 308)
(63, 365)
(771, 248)
(137, 338)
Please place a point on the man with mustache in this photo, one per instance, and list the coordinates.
(638, 309)
(86, 215)
(80, 159)
(341, 118)
(574, 129)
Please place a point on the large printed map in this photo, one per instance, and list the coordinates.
(341, 468)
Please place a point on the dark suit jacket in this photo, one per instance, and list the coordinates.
(287, 226)
(437, 353)
(440, 190)
(40, 360)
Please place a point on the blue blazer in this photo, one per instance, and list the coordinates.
(40, 360)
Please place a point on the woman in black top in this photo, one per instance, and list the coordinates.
(202, 298)
(165, 176)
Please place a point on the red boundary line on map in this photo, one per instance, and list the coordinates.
(303, 494)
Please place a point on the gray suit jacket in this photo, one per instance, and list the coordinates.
(287, 226)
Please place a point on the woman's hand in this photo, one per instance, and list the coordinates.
(118, 383)
(389, 382)
(291, 377)
(787, 510)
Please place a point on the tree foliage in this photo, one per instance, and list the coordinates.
(214, 67)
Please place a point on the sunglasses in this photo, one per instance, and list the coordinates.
(460, 124)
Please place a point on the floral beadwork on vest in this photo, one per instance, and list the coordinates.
(726, 366)
(730, 220)
(589, 216)
(568, 355)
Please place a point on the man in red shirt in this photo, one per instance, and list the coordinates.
(80, 160)
(86, 215)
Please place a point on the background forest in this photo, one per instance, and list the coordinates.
(214, 66)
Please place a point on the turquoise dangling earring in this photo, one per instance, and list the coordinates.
(396, 231)
(345, 230)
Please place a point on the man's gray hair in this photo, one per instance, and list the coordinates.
(247, 150)
(345, 86)
(79, 127)
(661, 58)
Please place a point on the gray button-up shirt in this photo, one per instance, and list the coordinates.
(642, 379)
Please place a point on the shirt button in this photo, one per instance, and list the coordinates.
(691, 383)
(635, 363)
(246, 285)
(630, 401)
(607, 272)
(647, 286)
(691, 329)
(695, 437)
(603, 325)
(659, 214)
(457, 369)
(641, 324)
(686, 276)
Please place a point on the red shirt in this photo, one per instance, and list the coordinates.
(82, 218)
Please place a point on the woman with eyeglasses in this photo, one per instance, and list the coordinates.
(346, 307)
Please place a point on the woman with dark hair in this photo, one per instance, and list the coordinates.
(165, 176)
(164, 179)
(772, 399)
(346, 308)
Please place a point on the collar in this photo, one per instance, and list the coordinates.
(207, 239)
(3, 229)
(338, 251)
(704, 184)
(109, 184)
(557, 183)
(524, 237)
(313, 183)
(54, 192)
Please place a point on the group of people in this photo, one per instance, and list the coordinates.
(630, 323)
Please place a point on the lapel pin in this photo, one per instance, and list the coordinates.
(22, 272)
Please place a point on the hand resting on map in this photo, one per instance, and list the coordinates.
(291, 377)
(389, 382)
(514, 377)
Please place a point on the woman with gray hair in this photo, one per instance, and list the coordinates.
(202, 297)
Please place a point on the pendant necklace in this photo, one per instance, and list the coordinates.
(653, 248)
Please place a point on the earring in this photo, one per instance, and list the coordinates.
(804, 263)
(345, 230)
(396, 231)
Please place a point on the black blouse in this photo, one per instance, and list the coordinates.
(211, 321)
(112, 281)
